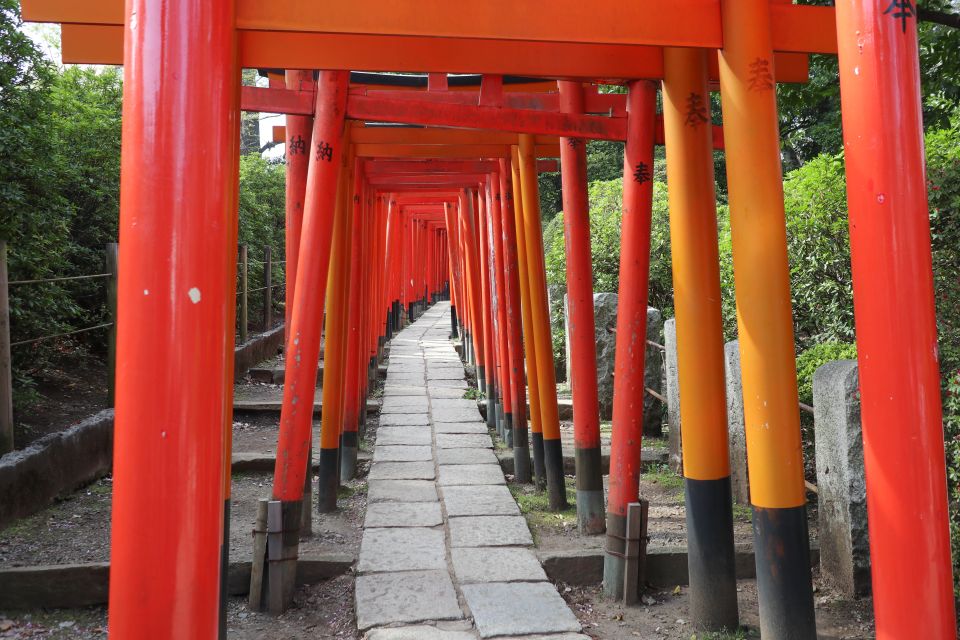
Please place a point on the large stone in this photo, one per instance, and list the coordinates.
(403, 419)
(460, 427)
(518, 608)
(672, 393)
(654, 410)
(470, 474)
(401, 471)
(411, 596)
(404, 404)
(605, 323)
(489, 531)
(739, 480)
(384, 453)
(401, 549)
(447, 392)
(841, 485)
(482, 500)
(403, 390)
(457, 414)
(404, 436)
(466, 456)
(403, 514)
(401, 491)
(507, 564)
(461, 440)
(419, 632)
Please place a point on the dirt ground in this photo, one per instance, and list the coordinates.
(67, 391)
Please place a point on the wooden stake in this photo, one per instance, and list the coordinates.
(244, 310)
(112, 263)
(256, 598)
(636, 551)
(268, 288)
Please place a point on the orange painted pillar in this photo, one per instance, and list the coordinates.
(517, 419)
(540, 315)
(765, 322)
(177, 271)
(628, 386)
(581, 326)
(696, 299)
(893, 299)
(529, 342)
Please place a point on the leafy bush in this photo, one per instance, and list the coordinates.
(811, 359)
(951, 424)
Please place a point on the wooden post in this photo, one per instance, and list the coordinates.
(6, 374)
(267, 288)
(257, 591)
(244, 309)
(112, 263)
(635, 557)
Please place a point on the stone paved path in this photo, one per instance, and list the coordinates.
(446, 554)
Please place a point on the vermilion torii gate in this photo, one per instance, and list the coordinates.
(178, 228)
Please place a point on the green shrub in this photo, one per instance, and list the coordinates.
(811, 359)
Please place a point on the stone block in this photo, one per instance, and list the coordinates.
(461, 440)
(654, 410)
(672, 394)
(402, 390)
(404, 404)
(446, 392)
(404, 436)
(389, 453)
(518, 609)
(483, 500)
(466, 456)
(411, 596)
(507, 564)
(460, 427)
(489, 531)
(403, 514)
(457, 414)
(739, 481)
(401, 491)
(403, 419)
(419, 632)
(842, 490)
(402, 471)
(401, 549)
(470, 474)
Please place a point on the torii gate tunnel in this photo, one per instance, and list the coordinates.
(383, 220)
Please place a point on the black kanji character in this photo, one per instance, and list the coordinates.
(324, 152)
(696, 110)
(902, 10)
(297, 145)
(642, 173)
(761, 78)
(574, 142)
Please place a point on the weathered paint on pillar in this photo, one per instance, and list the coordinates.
(177, 272)
(540, 314)
(765, 323)
(893, 299)
(628, 380)
(581, 327)
(699, 339)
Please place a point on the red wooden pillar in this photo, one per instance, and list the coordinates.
(582, 334)
(354, 303)
(628, 387)
(896, 324)
(504, 401)
(489, 355)
(296, 416)
(299, 130)
(177, 271)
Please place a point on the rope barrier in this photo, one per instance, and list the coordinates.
(61, 335)
(61, 279)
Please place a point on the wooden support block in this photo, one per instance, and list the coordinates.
(635, 555)
(256, 597)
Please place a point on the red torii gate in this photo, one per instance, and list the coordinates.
(889, 233)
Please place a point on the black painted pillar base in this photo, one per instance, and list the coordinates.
(784, 581)
(556, 483)
(539, 470)
(481, 379)
(591, 510)
(710, 555)
(224, 570)
(328, 481)
(453, 323)
(348, 456)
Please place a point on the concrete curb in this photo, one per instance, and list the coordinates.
(55, 464)
(84, 585)
(666, 566)
(266, 462)
(649, 458)
(257, 349)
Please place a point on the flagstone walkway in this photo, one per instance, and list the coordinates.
(445, 553)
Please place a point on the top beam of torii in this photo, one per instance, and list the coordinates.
(604, 39)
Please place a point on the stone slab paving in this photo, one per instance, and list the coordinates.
(445, 553)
